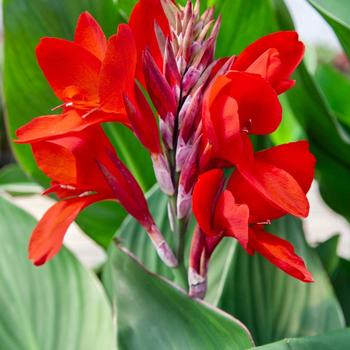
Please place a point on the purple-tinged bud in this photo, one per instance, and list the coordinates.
(184, 203)
(183, 150)
(187, 180)
(204, 32)
(187, 41)
(187, 15)
(202, 247)
(170, 11)
(197, 8)
(167, 130)
(161, 93)
(215, 31)
(160, 37)
(191, 114)
(205, 54)
(162, 247)
(198, 284)
(190, 78)
(208, 15)
(163, 174)
(170, 69)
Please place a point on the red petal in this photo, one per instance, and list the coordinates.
(47, 237)
(295, 158)
(280, 253)
(72, 159)
(143, 121)
(50, 126)
(258, 106)
(274, 57)
(71, 70)
(118, 70)
(90, 36)
(142, 20)
(232, 218)
(205, 196)
(277, 186)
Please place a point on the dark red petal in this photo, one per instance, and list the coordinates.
(258, 106)
(143, 121)
(232, 218)
(280, 253)
(277, 186)
(90, 36)
(274, 57)
(205, 196)
(71, 70)
(118, 70)
(295, 158)
(142, 20)
(47, 237)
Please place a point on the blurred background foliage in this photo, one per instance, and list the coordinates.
(271, 304)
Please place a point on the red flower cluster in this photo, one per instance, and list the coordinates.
(91, 76)
(207, 109)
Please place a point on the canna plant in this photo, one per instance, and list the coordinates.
(206, 108)
(201, 119)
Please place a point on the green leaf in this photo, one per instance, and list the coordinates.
(341, 284)
(327, 251)
(154, 314)
(274, 305)
(27, 94)
(333, 340)
(242, 23)
(336, 13)
(58, 306)
(336, 88)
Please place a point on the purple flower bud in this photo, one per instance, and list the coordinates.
(161, 93)
(183, 150)
(163, 174)
(189, 79)
(170, 69)
(167, 130)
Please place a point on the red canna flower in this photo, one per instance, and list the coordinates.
(240, 208)
(274, 57)
(89, 75)
(236, 104)
(83, 172)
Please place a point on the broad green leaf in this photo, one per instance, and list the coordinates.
(58, 306)
(338, 340)
(154, 314)
(341, 284)
(27, 94)
(242, 23)
(274, 305)
(336, 13)
(336, 88)
(327, 251)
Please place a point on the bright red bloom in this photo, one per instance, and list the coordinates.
(241, 208)
(83, 172)
(89, 75)
(237, 103)
(146, 15)
(274, 57)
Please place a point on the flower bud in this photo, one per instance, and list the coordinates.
(163, 174)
